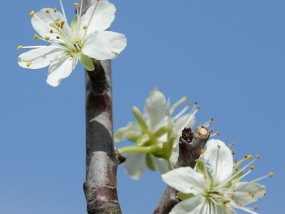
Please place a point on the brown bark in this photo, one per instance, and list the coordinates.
(190, 146)
(100, 186)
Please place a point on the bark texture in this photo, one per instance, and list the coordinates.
(190, 146)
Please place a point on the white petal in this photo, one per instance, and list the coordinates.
(40, 57)
(194, 205)
(104, 45)
(41, 22)
(60, 69)
(220, 158)
(175, 153)
(161, 165)
(102, 18)
(135, 165)
(130, 131)
(180, 124)
(156, 110)
(185, 180)
(247, 192)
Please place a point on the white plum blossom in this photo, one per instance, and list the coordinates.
(85, 40)
(215, 185)
(155, 133)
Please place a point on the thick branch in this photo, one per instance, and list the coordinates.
(100, 186)
(190, 146)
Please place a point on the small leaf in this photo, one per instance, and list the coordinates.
(86, 62)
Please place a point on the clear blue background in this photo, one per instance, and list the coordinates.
(227, 55)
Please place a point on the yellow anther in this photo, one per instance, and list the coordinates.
(248, 156)
(271, 174)
(57, 37)
(28, 64)
(77, 41)
(47, 11)
(85, 27)
(233, 152)
(225, 202)
(76, 4)
(62, 23)
(19, 47)
(47, 38)
(58, 24)
(71, 54)
(54, 10)
(257, 156)
(202, 151)
(32, 13)
(36, 36)
(252, 167)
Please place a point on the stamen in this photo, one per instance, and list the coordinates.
(57, 37)
(51, 31)
(192, 113)
(263, 177)
(182, 112)
(55, 9)
(179, 102)
(215, 134)
(209, 122)
(19, 47)
(28, 64)
(32, 13)
(233, 152)
(47, 38)
(85, 27)
(75, 4)
(47, 11)
(36, 36)
(62, 9)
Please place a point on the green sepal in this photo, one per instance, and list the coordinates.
(86, 62)
(184, 196)
(168, 146)
(143, 140)
(140, 119)
(149, 162)
(163, 130)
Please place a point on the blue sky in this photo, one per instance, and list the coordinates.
(227, 55)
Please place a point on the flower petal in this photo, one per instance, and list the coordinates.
(186, 180)
(131, 132)
(60, 69)
(104, 45)
(135, 165)
(41, 22)
(194, 205)
(220, 158)
(100, 19)
(245, 193)
(156, 110)
(161, 165)
(39, 57)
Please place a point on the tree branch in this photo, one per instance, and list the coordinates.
(190, 146)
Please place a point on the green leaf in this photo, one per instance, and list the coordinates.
(86, 62)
